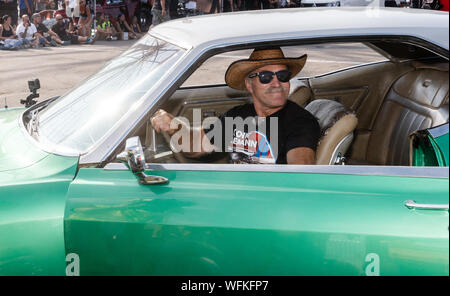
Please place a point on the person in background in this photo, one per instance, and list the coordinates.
(123, 27)
(41, 5)
(231, 5)
(72, 8)
(6, 29)
(173, 9)
(26, 31)
(105, 30)
(26, 7)
(8, 37)
(85, 20)
(160, 11)
(60, 29)
(45, 35)
(136, 28)
(9, 7)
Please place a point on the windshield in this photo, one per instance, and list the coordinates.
(74, 122)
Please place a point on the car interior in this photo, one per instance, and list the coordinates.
(366, 112)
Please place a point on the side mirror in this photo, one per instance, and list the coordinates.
(133, 156)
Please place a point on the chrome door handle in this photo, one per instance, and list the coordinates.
(411, 204)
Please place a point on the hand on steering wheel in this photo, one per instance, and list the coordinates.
(161, 121)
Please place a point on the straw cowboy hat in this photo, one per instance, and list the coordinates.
(238, 70)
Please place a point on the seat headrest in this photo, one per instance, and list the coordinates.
(327, 112)
(424, 86)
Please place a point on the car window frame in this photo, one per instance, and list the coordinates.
(198, 55)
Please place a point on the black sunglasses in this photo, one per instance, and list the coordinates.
(267, 76)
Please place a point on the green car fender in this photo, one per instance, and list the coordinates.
(33, 189)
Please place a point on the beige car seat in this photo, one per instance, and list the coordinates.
(417, 100)
(337, 124)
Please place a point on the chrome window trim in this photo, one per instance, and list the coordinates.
(104, 149)
(439, 131)
(389, 171)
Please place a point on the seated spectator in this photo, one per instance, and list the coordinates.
(6, 29)
(26, 30)
(123, 28)
(8, 38)
(105, 29)
(136, 28)
(85, 20)
(60, 29)
(43, 34)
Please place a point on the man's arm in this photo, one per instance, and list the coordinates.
(117, 26)
(24, 33)
(161, 122)
(128, 27)
(50, 32)
(301, 155)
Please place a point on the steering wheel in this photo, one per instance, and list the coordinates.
(178, 155)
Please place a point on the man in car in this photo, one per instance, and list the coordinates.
(276, 130)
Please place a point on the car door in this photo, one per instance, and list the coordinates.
(258, 220)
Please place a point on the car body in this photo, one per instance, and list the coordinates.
(69, 205)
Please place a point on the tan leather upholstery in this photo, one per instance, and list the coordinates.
(337, 124)
(417, 100)
(301, 95)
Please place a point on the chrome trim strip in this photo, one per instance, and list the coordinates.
(392, 171)
(104, 147)
(438, 131)
(115, 166)
(411, 204)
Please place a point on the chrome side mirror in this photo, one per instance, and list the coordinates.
(133, 156)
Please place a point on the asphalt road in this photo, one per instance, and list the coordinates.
(61, 68)
(58, 68)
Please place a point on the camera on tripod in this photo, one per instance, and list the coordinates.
(33, 85)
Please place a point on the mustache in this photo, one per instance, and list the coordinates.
(276, 89)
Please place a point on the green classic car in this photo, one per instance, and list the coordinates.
(80, 194)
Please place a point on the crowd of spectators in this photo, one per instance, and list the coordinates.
(36, 24)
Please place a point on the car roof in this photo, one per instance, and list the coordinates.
(254, 26)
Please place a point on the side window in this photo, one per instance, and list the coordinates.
(330, 57)
(322, 59)
(204, 93)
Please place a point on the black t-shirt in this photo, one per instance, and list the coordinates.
(60, 30)
(265, 140)
(41, 29)
(7, 33)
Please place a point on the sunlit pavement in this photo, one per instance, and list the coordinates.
(58, 68)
